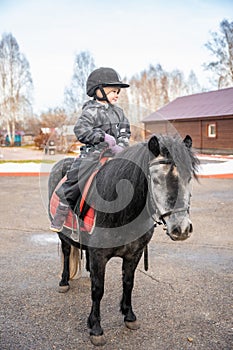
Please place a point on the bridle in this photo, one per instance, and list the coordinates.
(160, 219)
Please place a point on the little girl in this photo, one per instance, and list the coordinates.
(101, 122)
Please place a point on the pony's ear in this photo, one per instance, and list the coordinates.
(153, 145)
(188, 141)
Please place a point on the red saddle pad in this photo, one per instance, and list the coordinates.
(71, 220)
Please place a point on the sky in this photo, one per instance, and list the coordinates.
(125, 35)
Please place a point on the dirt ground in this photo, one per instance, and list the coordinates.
(184, 300)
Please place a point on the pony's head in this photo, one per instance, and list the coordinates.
(172, 166)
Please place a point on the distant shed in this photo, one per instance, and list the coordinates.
(207, 117)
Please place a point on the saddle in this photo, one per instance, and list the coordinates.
(87, 215)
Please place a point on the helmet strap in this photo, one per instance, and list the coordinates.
(104, 98)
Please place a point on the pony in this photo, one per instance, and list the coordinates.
(146, 184)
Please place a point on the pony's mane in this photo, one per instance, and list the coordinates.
(183, 157)
(171, 147)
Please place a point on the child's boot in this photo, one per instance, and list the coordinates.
(59, 218)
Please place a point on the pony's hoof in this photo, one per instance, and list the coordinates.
(132, 325)
(63, 289)
(98, 340)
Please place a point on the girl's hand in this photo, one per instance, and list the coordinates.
(110, 140)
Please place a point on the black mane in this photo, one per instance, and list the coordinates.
(173, 147)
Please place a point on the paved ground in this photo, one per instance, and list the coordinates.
(184, 301)
(20, 153)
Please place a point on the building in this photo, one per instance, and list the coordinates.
(207, 117)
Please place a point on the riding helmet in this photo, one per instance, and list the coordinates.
(102, 77)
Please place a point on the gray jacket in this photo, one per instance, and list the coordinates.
(97, 119)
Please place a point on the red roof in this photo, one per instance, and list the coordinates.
(205, 104)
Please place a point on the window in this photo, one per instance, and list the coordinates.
(212, 130)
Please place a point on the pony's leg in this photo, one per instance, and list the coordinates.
(128, 271)
(64, 283)
(97, 270)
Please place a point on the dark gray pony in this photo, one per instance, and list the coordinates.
(147, 183)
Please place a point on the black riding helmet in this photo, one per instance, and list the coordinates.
(100, 78)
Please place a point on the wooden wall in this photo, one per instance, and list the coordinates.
(198, 130)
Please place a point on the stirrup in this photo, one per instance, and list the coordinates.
(75, 234)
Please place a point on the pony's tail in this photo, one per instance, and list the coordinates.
(74, 263)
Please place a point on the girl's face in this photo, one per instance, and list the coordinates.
(112, 94)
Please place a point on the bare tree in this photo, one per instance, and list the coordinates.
(150, 89)
(177, 84)
(221, 47)
(193, 85)
(32, 125)
(53, 118)
(155, 87)
(15, 84)
(75, 95)
(55, 126)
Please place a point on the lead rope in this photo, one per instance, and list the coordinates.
(146, 258)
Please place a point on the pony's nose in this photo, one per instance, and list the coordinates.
(178, 233)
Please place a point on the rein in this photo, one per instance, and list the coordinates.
(170, 212)
(160, 220)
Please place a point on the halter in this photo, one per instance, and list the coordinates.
(161, 220)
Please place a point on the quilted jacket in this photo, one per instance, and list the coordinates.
(97, 119)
